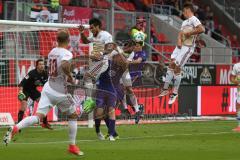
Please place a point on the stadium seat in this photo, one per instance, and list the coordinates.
(64, 2)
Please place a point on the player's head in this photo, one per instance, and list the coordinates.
(188, 10)
(140, 22)
(138, 46)
(40, 65)
(63, 38)
(129, 46)
(109, 47)
(95, 25)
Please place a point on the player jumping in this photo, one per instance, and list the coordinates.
(136, 58)
(109, 91)
(54, 93)
(191, 27)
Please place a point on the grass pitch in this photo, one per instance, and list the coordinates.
(213, 140)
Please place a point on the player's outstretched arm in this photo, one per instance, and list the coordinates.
(83, 37)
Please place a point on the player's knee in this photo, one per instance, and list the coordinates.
(40, 116)
(99, 113)
(177, 70)
(111, 113)
(172, 65)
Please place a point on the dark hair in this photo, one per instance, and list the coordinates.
(39, 60)
(189, 6)
(95, 22)
(141, 43)
(62, 36)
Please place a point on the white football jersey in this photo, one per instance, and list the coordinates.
(236, 69)
(102, 37)
(57, 78)
(130, 57)
(190, 23)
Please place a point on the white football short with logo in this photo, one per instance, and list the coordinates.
(50, 98)
(182, 55)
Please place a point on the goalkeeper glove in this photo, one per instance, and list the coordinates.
(89, 105)
(21, 96)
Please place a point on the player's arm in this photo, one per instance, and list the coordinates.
(83, 37)
(197, 30)
(179, 39)
(233, 79)
(66, 68)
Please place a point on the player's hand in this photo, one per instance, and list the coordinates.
(96, 56)
(89, 105)
(21, 96)
(81, 28)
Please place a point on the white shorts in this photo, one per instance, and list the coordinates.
(50, 98)
(126, 79)
(182, 55)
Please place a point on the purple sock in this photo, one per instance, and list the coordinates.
(107, 122)
(97, 125)
(111, 129)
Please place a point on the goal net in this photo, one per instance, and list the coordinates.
(21, 44)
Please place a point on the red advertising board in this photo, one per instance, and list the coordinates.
(154, 105)
(24, 66)
(217, 100)
(76, 15)
(9, 103)
(223, 74)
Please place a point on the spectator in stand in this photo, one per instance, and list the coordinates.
(227, 41)
(140, 26)
(200, 13)
(217, 34)
(209, 18)
(174, 3)
(147, 5)
(235, 47)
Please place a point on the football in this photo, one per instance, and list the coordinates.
(139, 36)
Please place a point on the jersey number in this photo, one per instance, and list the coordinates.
(53, 67)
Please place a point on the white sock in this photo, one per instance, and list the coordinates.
(89, 87)
(72, 132)
(238, 117)
(28, 121)
(177, 83)
(124, 101)
(168, 79)
(133, 99)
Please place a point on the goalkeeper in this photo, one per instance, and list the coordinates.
(28, 88)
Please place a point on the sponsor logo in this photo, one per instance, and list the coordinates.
(205, 77)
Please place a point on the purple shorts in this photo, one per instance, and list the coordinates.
(105, 99)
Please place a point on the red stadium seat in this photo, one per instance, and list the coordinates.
(64, 2)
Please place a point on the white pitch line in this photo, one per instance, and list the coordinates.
(131, 138)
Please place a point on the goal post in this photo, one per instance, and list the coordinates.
(21, 44)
